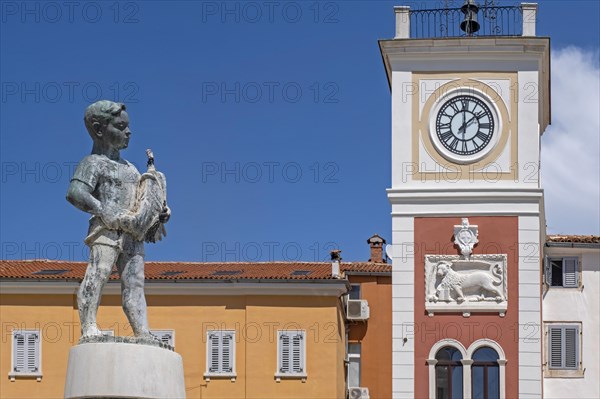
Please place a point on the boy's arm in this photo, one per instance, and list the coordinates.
(80, 195)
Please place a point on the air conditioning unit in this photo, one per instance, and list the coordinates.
(357, 309)
(358, 393)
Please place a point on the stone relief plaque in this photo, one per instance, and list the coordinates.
(456, 284)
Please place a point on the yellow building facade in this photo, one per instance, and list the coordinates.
(256, 311)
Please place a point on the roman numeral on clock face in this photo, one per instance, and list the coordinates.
(446, 136)
(454, 143)
(465, 104)
(482, 136)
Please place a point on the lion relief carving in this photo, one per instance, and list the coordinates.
(478, 282)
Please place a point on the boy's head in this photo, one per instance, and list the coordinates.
(107, 121)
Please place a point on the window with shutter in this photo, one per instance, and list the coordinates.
(220, 352)
(563, 347)
(291, 354)
(165, 336)
(26, 353)
(562, 272)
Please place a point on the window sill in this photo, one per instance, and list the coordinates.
(563, 373)
(296, 376)
(220, 376)
(14, 376)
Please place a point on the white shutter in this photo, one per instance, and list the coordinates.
(214, 344)
(19, 349)
(291, 352)
(570, 272)
(555, 354)
(571, 347)
(297, 366)
(165, 336)
(26, 352)
(32, 353)
(284, 353)
(227, 352)
(547, 271)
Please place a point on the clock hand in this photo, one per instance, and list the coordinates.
(471, 121)
(464, 125)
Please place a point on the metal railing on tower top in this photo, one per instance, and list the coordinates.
(466, 21)
(470, 20)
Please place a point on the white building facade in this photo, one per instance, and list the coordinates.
(571, 314)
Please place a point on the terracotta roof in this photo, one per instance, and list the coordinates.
(367, 267)
(44, 269)
(573, 238)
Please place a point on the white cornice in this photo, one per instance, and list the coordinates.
(334, 288)
(463, 49)
(433, 195)
(445, 202)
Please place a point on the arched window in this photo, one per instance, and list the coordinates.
(448, 373)
(482, 368)
(485, 374)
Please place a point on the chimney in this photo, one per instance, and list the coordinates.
(376, 244)
(335, 263)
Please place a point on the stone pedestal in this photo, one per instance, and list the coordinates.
(123, 370)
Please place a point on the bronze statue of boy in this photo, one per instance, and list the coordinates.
(127, 209)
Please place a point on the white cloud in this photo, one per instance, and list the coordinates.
(571, 145)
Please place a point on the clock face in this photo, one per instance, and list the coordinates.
(464, 125)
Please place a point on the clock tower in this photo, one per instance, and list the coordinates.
(470, 92)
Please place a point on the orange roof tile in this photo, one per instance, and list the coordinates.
(65, 270)
(367, 267)
(573, 238)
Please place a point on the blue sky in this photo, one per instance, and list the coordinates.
(273, 129)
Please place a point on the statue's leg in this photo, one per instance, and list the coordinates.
(102, 259)
(131, 269)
